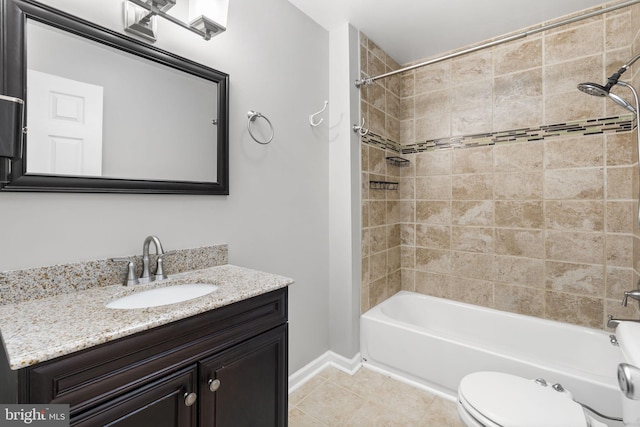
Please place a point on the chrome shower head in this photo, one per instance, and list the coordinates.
(593, 89)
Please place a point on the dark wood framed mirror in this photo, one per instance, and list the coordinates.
(108, 113)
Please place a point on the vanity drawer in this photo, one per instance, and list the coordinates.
(92, 376)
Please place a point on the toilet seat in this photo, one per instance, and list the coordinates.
(496, 399)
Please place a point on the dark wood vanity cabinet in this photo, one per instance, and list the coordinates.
(224, 368)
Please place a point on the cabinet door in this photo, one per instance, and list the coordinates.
(158, 404)
(246, 386)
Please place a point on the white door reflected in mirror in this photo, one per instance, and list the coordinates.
(65, 125)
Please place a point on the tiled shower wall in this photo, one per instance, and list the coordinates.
(543, 227)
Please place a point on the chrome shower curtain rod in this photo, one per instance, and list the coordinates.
(370, 80)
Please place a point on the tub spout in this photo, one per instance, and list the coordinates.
(613, 323)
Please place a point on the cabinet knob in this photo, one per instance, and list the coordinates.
(190, 398)
(214, 385)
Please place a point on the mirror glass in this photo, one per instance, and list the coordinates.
(106, 112)
(93, 110)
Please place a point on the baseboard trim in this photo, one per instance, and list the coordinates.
(304, 374)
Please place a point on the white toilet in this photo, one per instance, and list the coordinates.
(496, 399)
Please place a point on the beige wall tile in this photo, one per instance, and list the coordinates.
(621, 217)
(578, 41)
(621, 183)
(523, 84)
(408, 257)
(516, 186)
(431, 163)
(472, 187)
(619, 280)
(434, 187)
(519, 214)
(587, 183)
(377, 213)
(471, 121)
(433, 260)
(585, 215)
(621, 149)
(407, 276)
(564, 77)
(575, 246)
(517, 242)
(472, 239)
(586, 151)
(472, 265)
(433, 77)
(476, 160)
(472, 291)
(583, 279)
(408, 211)
(619, 250)
(378, 266)
(518, 113)
(378, 239)
(619, 31)
(517, 56)
(437, 125)
(408, 234)
(519, 299)
(437, 285)
(428, 104)
(433, 212)
(472, 212)
(519, 157)
(571, 106)
(473, 67)
(433, 236)
(574, 309)
(519, 271)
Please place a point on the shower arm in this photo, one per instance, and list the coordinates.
(613, 80)
(637, 102)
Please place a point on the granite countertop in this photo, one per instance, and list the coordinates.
(43, 329)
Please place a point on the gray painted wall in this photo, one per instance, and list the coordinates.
(276, 217)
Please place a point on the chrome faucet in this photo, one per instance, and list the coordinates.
(146, 276)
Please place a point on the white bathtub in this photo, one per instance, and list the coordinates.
(435, 342)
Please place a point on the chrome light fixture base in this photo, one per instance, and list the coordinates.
(207, 26)
(140, 22)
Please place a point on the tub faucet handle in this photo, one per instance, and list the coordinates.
(635, 294)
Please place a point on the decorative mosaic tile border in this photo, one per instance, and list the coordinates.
(584, 127)
(42, 282)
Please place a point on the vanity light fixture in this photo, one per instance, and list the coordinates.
(207, 18)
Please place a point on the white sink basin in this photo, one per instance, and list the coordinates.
(162, 296)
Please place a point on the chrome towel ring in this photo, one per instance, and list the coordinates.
(253, 115)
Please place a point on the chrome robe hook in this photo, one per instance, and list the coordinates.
(360, 129)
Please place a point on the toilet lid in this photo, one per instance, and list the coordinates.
(508, 400)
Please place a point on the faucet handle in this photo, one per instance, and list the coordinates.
(635, 294)
(131, 276)
(159, 271)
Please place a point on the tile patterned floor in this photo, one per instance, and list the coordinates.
(334, 398)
